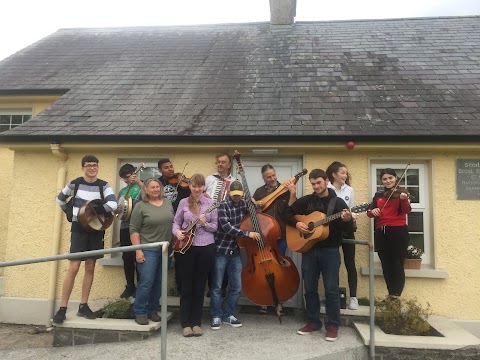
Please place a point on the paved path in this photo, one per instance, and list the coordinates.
(261, 337)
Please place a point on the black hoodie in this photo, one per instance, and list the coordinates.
(310, 203)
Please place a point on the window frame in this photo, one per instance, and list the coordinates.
(15, 112)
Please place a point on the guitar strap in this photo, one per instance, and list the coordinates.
(331, 206)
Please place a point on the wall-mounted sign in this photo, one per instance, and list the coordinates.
(468, 179)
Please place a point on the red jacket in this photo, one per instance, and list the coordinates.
(393, 214)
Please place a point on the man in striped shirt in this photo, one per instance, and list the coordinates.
(84, 189)
(227, 260)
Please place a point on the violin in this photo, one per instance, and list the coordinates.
(178, 179)
(394, 193)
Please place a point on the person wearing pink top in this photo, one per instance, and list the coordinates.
(197, 261)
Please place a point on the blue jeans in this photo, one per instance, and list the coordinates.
(232, 265)
(149, 287)
(325, 261)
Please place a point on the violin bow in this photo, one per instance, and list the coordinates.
(395, 187)
(181, 176)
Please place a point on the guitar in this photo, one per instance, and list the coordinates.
(181, 246)
(317, 225)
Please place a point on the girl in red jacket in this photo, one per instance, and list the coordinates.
(391, 231)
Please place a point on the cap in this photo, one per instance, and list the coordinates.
(236, 188)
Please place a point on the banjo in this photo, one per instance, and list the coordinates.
(125, 203)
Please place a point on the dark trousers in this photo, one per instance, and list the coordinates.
(193, 269)
(326, 262)
(349, 260)
(391, 244)
(129, 262)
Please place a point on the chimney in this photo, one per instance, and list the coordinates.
(282, 12)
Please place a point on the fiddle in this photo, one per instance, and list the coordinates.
(394, 193)
(178, 179)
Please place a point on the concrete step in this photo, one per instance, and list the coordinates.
(77, 330)
(1, 286)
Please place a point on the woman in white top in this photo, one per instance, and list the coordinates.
(340, 181)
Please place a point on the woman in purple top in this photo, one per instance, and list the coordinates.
(195, 264)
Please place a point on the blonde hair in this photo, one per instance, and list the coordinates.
(197, 179)
(143, 191)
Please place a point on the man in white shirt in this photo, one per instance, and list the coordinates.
(217, 185)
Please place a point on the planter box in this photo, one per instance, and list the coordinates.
(414, 264)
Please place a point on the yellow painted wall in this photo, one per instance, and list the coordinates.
(30, 225)
(37, 104)
(6, 176)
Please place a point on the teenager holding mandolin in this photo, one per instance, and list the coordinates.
(83, 190)
(195, 264)
(324, 257)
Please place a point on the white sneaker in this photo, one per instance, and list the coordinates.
(353, 303)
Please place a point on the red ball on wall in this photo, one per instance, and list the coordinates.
(350, 145)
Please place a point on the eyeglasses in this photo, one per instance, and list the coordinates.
(91, 166)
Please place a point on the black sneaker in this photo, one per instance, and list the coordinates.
(86, 312)
(60, 316)
(129, 291)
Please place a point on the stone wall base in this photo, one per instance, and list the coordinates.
(70, 337)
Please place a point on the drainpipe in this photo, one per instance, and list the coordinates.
(57, 227)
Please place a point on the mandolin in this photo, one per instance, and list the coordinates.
(281, 189)
(181, 246)
(317, 225)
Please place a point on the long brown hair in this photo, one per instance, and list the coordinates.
(197, 179)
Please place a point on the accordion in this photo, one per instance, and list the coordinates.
(220, 189)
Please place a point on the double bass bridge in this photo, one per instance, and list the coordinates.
(265, 260)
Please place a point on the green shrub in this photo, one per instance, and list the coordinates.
(365, 301)
(118, 309)
(402, 317)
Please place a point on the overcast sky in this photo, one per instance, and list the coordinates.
(27, 21)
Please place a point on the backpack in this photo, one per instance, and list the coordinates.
(69, 206)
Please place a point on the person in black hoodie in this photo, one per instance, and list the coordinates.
(324, 257)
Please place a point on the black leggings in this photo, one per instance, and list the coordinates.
(129, 261)
(391, 244)
(349, 260)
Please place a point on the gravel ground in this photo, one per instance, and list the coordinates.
(14, 337)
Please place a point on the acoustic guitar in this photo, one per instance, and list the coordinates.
(181, 246)
(317, 225)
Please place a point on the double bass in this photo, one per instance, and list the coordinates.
(268, 278)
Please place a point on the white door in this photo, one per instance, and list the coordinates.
(285, 168)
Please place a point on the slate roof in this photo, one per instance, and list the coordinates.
(329, 80)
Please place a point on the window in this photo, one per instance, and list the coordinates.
(12, 118)
(418, 220)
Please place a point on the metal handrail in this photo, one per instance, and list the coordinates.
(82, 255)
(370, 289)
